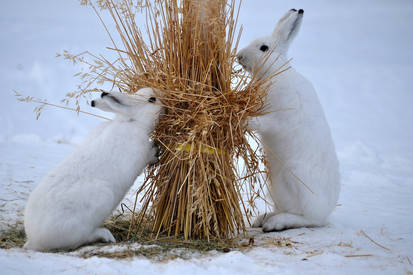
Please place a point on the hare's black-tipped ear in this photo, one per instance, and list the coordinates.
(115, 102)
(287, 28)
(101, 104)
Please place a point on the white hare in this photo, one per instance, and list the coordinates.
(69, 206)
(305, 181)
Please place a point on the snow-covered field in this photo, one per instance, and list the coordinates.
(359, 57)
(375, 199)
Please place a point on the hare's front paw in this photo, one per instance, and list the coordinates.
(156, 153)
(261, 219)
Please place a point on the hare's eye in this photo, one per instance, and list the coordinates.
(152, 99)
(264, 48)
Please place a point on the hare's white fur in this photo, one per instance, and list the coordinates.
(296, 136)
(69, 206)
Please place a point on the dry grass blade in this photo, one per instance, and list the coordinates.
(43, 103)
(373, 241)
(359, 255)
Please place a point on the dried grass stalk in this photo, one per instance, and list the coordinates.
(208, 167)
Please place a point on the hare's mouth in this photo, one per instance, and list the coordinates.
(245, 66)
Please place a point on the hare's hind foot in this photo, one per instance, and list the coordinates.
(283, 221)
(27, 245)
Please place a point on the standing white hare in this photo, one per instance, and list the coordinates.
(69, 206)
(297, 140)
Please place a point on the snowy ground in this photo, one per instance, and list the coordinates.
(358, 55)
(375, 199)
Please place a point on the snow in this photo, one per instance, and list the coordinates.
(382, 215)
(358, 54)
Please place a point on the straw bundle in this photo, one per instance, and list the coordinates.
(198, 188)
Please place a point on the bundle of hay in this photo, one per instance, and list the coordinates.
(208, 175)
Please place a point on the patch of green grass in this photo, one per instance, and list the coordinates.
(13, 237)
(154, 253)
(157, 249)
(120, 230)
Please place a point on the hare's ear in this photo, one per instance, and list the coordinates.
(115, 102)
(101, 104)
(287, 28)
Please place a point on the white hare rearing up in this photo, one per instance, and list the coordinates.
(69, 206)
(303, 164)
